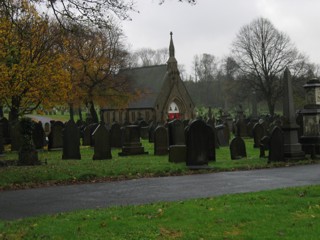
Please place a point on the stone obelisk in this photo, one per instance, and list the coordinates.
(292, 147)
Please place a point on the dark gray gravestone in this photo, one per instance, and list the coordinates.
(55, 136)
(250, 129)
(241, 127)
(15, 136)
(87, 134)
(176, 133)
(102, 146)
(5, 130)
(292, 147)
(222, 140)
(276, 147)
(258, 132)
(71, 141)
(131, 141)
(38, 136)
(144, 129)
(177, 153)
(161, 141)
(1, 140)
(152, 127)
(212, 141)
(197, 138)
(238, 148)
(115, 135)
(264, 145)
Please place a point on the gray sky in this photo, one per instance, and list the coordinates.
(210, 26)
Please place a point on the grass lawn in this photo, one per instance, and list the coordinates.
(292, 213)
(58, 171)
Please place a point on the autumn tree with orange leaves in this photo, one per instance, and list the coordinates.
(94, 59)
(31, 66)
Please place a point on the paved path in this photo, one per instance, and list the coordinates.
(24, 203)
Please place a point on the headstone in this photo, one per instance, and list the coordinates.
(222, 139)
(87, 134)
(55, 136)
(250, 129)
(177, 153)
(144, 129)
(197, 138)
(5, 130)
(238, 148)
(15, 136)
(212, 141)
(161, 141)
(131, 141)
(115, 135)
(102, 145)
(152, 127)
(292, 147)
(38, 136)
(71, 141)
(1, 140)
(258, 132)
(176, 133)
(276, 147)
(264, 145)
(241, 127)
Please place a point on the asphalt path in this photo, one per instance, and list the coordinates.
(50, 200)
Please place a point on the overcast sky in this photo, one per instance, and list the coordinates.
(210, 26)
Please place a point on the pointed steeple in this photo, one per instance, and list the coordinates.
(172, 65)
(171, 46)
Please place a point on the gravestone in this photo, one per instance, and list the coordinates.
(238, 148)
(102, 144)
(197, 138)
(71, 141)
(276, 145)
(250, 129)
(222, 139)
(144, 129)
(55, 136)
(264, 145)
(1, 140)
(178, 153)
(131, 141)
(15, 136)
(47, 128)
(115, 135)
(152, 128)
(212, 141)
(161, 141)
(38, 136)
(5, 130)
(87, 134)
(258, 132)
(176, 133)
(292, 147)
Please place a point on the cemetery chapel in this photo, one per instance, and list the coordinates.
(164, 97)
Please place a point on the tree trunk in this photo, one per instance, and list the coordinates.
(71, 112)
(80, 113)
(93, 112)
(14, 111)
(271, 107)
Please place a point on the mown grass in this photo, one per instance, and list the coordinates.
(292, 213)
(54, 170)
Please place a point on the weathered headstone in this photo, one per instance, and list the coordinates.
(131, 141)
(258, 132)
(238, 148)
(115, 135)
(212, 141)
(177, 153)
(197, 138)
(161, 141)
(176, 133)
(102, 145)
(276, 146)
(15, 136)
(222, 139)
(71, 141)
(55, 136)
(5, 130)
(38, 136)
(292, 147)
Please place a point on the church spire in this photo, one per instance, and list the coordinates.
(171, 47)
(172, 64)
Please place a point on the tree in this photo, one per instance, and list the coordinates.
(31, 66)
(148, 57)
(205, 67)
(98, 13)
(95, 57)
(262, 53)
